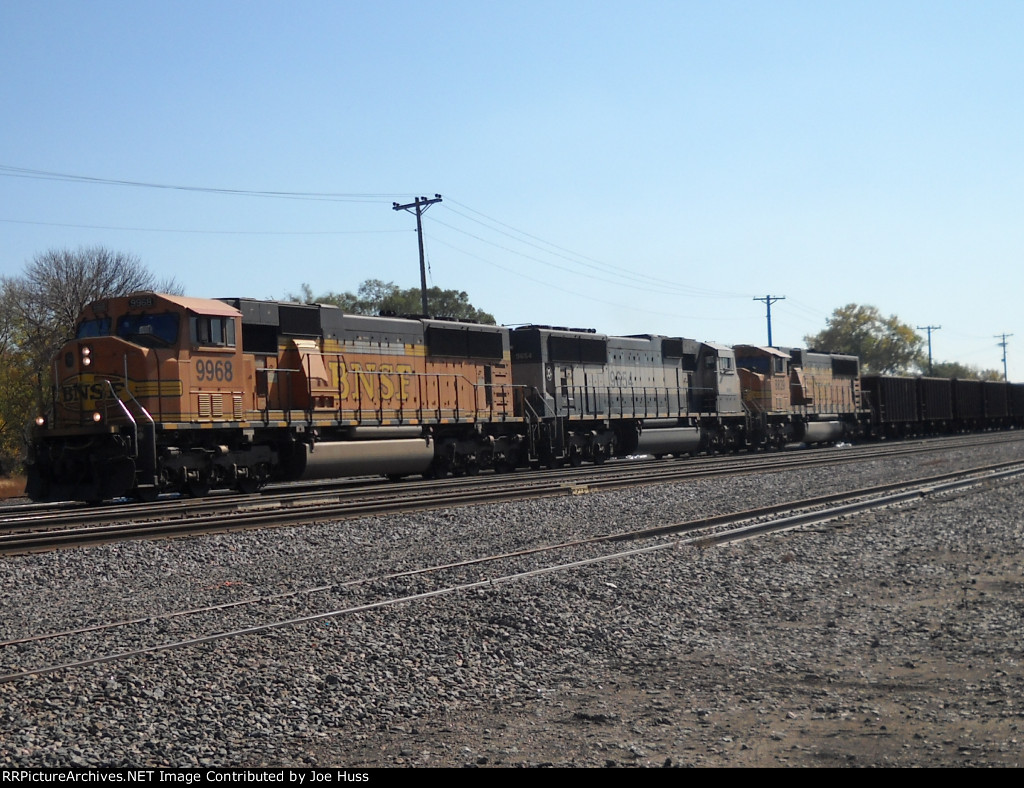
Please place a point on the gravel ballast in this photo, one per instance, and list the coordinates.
(892, 638)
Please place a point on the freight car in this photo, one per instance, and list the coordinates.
(904, 406)
(159, 393)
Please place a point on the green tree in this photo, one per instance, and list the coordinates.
(17, 389)
(38, 312)
(375, 297)
(953, 369)
(884, 344)
(50, 294)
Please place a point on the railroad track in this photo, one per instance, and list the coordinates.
(140, 637)
(61, 514)
(48, 530)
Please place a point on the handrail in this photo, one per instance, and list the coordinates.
(641, 402)
(149, 418)
(368, 404)
(285, 407)
(127, 413)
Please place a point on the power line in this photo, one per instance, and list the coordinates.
(549, 285)
(641, 280)
(575, 258)
(22, 172)
(649, 288)
(199, 232)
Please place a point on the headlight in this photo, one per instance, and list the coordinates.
(40, 421)
(86, 353)
(97, 417)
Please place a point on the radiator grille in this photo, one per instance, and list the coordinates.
(211, 406)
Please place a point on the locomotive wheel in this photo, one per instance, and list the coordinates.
(247, 485)
(198, 489)
(146, 494)
(115, 478)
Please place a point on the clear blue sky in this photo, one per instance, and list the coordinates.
(633, 167)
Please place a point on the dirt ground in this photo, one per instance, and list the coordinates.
(928, 674)
(669, 717)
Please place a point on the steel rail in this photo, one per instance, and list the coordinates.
(722, 529)
(50, 515)
(260, 512)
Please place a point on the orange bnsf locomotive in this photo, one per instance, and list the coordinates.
(160, 393)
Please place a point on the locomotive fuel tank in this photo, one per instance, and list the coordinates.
(655, 439)
(332, 459)
(818, 431)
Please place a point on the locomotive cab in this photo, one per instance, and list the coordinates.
(764, 375)
(716, 383)
(136, 362)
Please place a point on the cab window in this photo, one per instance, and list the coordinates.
(758, 364)
(212, 331)
(100, 327)
(724, 363)
(149, 330)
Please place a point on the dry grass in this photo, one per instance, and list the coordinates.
(12, 487)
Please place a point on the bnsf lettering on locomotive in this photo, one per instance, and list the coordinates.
(89, 392)
(387, 384)
(362, 381)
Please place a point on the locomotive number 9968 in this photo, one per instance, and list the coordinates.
(209, 371)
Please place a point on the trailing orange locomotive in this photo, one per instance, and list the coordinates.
(160, 393)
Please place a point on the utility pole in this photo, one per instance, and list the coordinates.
(1002, 344)
(929, 329)
(419, 205)
(768, 301)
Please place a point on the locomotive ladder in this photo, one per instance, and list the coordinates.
(756, 419)
(148, 432)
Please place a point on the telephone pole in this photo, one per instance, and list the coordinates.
(929, 329)
(768, 301)
(419, 205)
(1002, 344)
